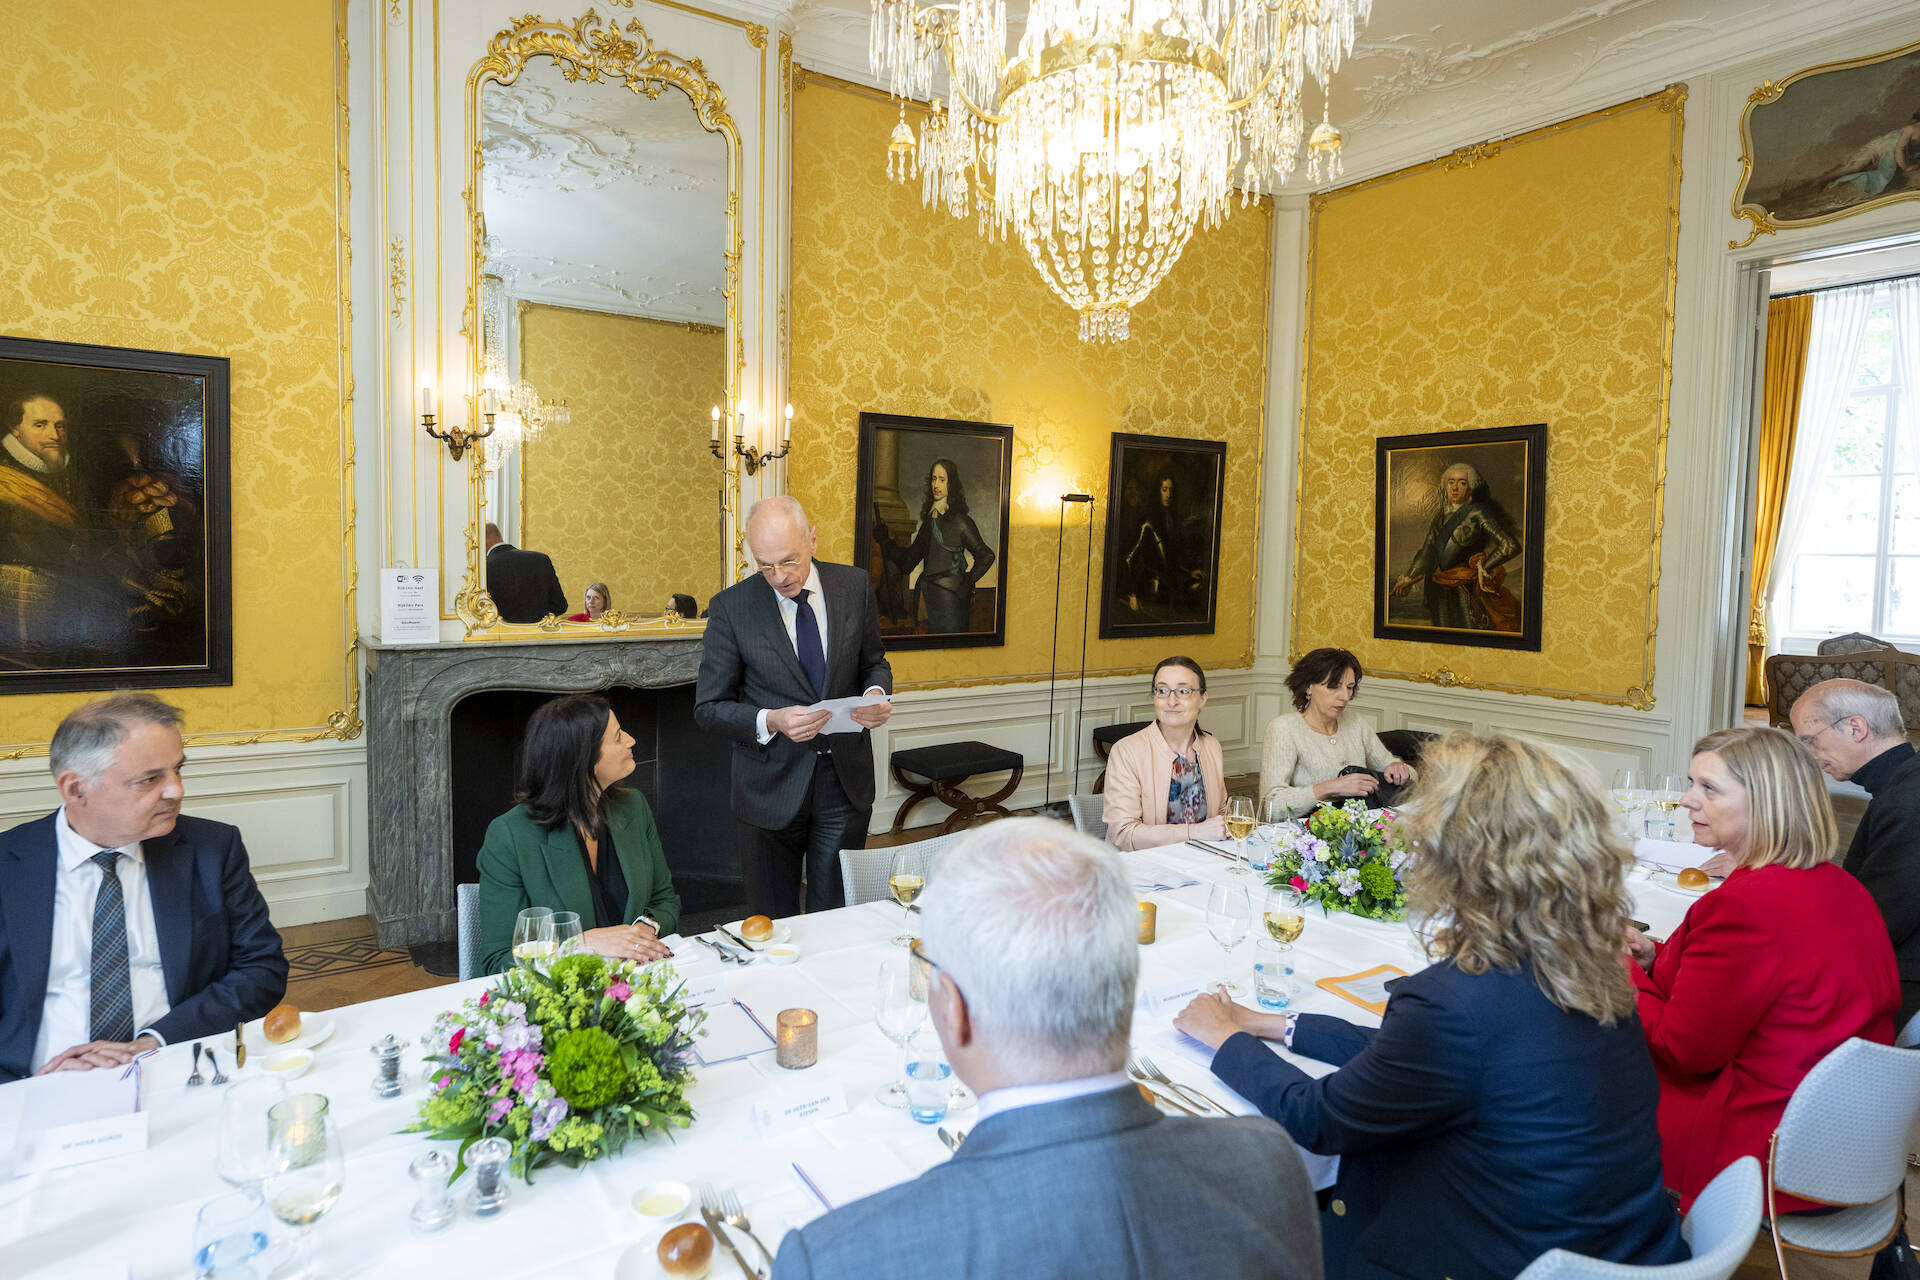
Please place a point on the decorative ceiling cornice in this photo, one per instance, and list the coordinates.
(533, 142)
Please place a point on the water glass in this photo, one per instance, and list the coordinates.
(230, 1234)
(533, 936)
(1229, 917)
(1272, 974)
(566, 932)
(898, 1010)
(241, 1153)
(928, 1093)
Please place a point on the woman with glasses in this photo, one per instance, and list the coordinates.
(1167, 783)
(1313, 755)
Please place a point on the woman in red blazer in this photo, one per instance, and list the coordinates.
(1769, 972)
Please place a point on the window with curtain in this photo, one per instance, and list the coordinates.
(1856, 563)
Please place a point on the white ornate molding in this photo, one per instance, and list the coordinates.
(535, 143)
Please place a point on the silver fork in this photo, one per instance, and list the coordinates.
(710, 1213)
(219, 1076)
(1144, 1065)
(196, 1077)
(736, 1216)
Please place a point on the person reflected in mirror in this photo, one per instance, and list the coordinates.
(683, 604)
(522, 584)
(598, 600)
(1316, 753)
(948, 550)
(578, 840)
(1167, 783)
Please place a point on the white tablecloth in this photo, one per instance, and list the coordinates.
(134, 1215)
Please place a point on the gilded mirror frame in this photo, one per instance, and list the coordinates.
(584, 49)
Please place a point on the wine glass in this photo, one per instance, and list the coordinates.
(533, 936)
(1239, 819)
(230, 1234)
(1285, 915)
(242, 1153)
(566, 932)
(1628, 799)
(906, 878)
(309, 1167)
(898, 1012)
(1277, 813)
(1229, 917)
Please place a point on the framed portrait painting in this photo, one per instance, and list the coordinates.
(934, 503)
(1831, 141)
(1161, 574)
(114, 555)
(1457, 548)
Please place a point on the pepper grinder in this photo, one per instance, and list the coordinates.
(488, 1160)
(434, 1209)
(386, 1082)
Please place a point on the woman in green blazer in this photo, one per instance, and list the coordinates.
(577, 841)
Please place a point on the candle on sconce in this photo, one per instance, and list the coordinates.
(740, 427)
(426, 399)
(797, 1038)
(787, 438)
(716, 424)
(1149, 918)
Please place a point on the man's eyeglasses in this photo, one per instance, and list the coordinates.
(1183, 692)
(784, 566)
(1808, 739)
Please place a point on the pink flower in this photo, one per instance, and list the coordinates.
(484, 996)
(453, 1045)
(1299, 883)
(499, 1110)
(619, 991)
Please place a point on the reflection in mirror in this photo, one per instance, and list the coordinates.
(606, 215)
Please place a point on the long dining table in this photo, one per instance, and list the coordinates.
(133, 1215)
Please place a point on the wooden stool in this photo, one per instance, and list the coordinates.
(945, 767)
(1103, 739)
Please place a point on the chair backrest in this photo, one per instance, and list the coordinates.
(1909, 1034)
(1843, 1136)
(1089, 815)
(1722, 1225)
(1407, 744)
(864, 871)
(1851, 642)
(466, 902)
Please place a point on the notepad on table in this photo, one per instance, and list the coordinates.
(1368, 988)
(731, 1032)
(834, 1178)
(1153, 877)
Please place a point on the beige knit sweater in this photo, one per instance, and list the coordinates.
(1295, 759)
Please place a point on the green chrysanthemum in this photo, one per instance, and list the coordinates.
(1376, 877)
(586, 1068)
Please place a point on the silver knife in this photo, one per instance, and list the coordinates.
(719, 1233)
(1168, 1098)
(1216, 852)
(736, 937)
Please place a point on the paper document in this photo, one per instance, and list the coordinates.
(72, 1117)
(731, 1032)
(1675, 855)
(1368, 988)
(1152, 877)
(834, 1178)
(842, 708)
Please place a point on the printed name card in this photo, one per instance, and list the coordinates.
(779, 1110)
(1172, 997)
(73, 1117)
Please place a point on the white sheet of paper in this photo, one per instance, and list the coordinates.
(1171, 997)
(1152, 877)
(835, 1177)
(409, 608)
(842, 720)
(72, 1117)
(1373, 988)
(1676, 855)
(730, 1033)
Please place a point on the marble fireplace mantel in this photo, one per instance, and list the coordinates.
(411, 693)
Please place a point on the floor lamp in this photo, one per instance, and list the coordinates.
(1053, 663)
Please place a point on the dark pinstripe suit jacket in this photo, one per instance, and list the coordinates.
(747, 664)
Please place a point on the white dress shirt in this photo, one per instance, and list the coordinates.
(790, 615)
(65, 1017)
(1032, 1095)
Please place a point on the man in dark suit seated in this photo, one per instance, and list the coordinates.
(523, 585)
(1031, 929)
(123, 925)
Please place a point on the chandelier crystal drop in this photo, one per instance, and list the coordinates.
(519, 413)
(1113, 129)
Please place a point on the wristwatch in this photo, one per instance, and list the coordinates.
(650, 922)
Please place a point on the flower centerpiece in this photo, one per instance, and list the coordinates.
(1347, 858)
(568, 1064)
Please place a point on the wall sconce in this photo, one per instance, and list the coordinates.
(750, 456)
(458, 441)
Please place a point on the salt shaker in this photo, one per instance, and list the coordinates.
(386, 1082)
(488, 1160)
(434, 1209)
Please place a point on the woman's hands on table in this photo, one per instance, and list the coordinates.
(1719, 866)
(1212, 1019)
(1214, 828)
(626, 942)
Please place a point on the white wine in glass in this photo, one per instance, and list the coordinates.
(1239, 820)
(533, 937)
(906, 878)
(1285, 916)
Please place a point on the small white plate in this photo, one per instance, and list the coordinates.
(780, 934)
(314, 1030)
(288, 1064)
(782, 953)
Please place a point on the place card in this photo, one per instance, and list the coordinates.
(731, 1032)
(1172, 997)
(781, 1110)
(75, 1117)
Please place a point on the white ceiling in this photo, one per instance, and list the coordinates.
(599, 197)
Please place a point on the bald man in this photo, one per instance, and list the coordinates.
(798, 632)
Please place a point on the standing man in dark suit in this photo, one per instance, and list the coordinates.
(768, 654)
(523, 584)
(124, 926)
(1068, 1171)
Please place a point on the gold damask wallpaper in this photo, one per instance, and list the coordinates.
(172, 185)
(625, 493)
(902, 309)
(1516, 282)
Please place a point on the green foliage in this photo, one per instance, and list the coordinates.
(586, 1068)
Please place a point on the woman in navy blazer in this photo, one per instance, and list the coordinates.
(577, 841)
(1506, 1105)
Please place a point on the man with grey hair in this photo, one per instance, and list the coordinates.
(1856, 733)
(124, 925)
(798, 633)
(1461, 566)
(1031, 930)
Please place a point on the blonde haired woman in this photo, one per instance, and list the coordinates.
(1768, 973)
(1506, 1104)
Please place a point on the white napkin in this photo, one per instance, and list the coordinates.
(1675, 855)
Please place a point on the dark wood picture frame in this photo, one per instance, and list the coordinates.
(1429, 547)
(115, 543)
(895, 543)
(1161, 573)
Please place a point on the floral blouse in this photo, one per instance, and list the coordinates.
(1186, 793)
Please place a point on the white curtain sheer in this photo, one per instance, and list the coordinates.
(1906, 356)
(1833, 357)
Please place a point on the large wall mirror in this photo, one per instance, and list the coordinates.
(606, 251)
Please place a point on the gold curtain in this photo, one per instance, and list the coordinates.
(1789, 331)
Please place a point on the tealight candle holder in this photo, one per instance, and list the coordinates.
(796, 1038)
(1149, 920)
(434, 1209)
(488, 1160)
(386, 1080)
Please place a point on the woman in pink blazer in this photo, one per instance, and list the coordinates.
(1768, 973)
(1167, 783)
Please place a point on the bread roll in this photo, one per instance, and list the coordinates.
(1692, 878)
(756, 928)
(686, 1251)
(282, 1023)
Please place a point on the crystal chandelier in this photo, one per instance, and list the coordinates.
(1114, 129)
(514, 410)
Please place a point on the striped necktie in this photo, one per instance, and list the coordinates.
(111, 1003)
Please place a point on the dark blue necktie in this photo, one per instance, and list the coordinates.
(806, 638)
(111, 989)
